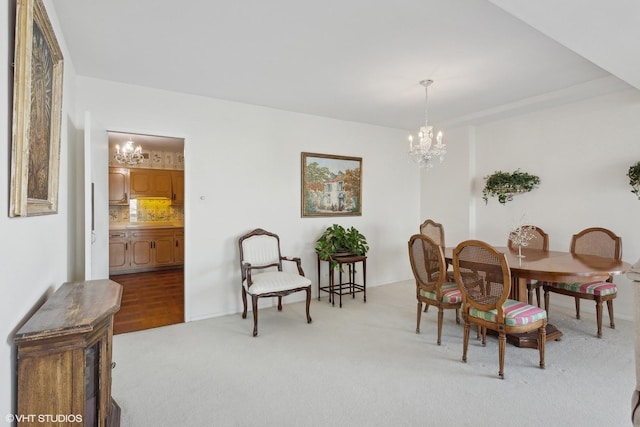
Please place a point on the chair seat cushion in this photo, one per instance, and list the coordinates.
(591, 288)
(275, 281)
(449, 291)
(516, 313)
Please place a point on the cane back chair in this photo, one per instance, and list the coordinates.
(591, 241)
(540, 241)
(483, 276)
(429, 270)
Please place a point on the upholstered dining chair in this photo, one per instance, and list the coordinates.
(429, 270)
(263, 275)
(483, 276)
(540, 241)
(435, 231)
(591, 241)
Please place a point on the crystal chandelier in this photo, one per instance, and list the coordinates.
(129, 154)
(423, 152)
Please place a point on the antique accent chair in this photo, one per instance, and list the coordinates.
(262, 273)
(591, 241)
(541, 241)
(429, 270)
(483, 276)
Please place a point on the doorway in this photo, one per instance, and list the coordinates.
(146, 229)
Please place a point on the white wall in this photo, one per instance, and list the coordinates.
(242, 171)
(37, 253)
(580, 151)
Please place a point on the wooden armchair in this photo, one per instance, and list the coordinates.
(485, 302)
(591, 241)
(540, 241)
(429, 270)
(262, 273)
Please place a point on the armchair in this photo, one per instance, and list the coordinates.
(262, 273)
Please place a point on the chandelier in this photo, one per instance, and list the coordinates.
(129, 154)
(424, 151)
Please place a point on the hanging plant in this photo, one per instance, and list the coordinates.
(634, 179)
(505, 185)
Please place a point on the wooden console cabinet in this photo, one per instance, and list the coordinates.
(64, 358)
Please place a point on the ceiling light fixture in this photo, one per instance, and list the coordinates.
(423, 152)
(128, 154)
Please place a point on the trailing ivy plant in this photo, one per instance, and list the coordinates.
(504, 185)
(634, 179)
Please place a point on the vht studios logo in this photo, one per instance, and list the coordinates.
(44, 418)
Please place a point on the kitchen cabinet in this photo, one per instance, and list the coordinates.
(118, 186)
(64, 354)
(152, 248)
(150, 182)
(177, 186)
(119, 255)
(145, 249)
(179, 247)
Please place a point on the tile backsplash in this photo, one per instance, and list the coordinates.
(147, 209)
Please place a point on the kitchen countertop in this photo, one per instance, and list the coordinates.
(145, 225)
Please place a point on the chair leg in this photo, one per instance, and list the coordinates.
(612, 323)
(538, 296)
(599, 317)
(440, 317)
(542, 339)
(457, 316)
(279, 303)
(244, 302)
(465, 341)
(419, 315)
(502, 346)
(426, 307)
(254, 303)
(530, 294)
(577, 307)
(308, 304)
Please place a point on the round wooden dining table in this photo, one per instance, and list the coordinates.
(551, 266)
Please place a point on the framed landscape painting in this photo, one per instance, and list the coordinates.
(331, 185)
(37, 113)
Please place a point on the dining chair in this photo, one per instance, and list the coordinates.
(263, 275)
(483, 276)
(540, 241)
(591, 241)
(435, 231)
(429, 269)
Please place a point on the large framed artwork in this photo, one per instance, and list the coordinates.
(37, 113)
(331, 185)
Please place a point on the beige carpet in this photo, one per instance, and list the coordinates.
(364, 365)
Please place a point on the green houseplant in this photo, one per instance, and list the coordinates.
(504, 185)
(338, 240)
(634, 178)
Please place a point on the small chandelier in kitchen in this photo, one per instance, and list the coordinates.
(129, 154)
(424, 152)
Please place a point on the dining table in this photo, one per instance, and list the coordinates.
(550, 266)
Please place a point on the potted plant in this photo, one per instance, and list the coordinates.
(505, 185)
(338, 240)
(634, 179)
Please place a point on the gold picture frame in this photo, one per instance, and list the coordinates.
(331, 185)
(37, 113)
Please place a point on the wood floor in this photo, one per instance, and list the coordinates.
(150, 300)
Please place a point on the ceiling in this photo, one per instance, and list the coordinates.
(361, 60)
